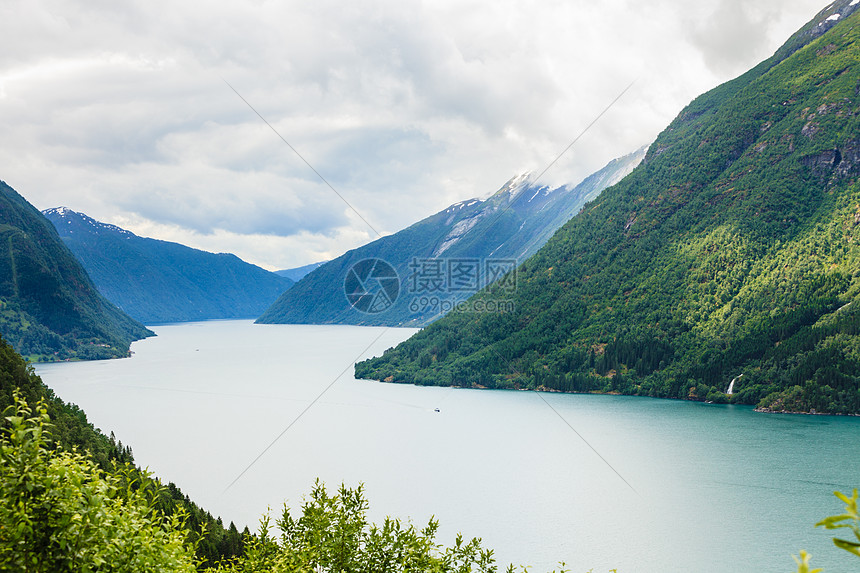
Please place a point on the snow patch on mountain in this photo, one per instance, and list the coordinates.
(61, 211)
(456, 233)
(459, 206)
(517, 185)
(68, 216)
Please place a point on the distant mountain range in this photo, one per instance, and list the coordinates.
(49, 307)
(298, 273)
(158, 281)
(726, 267)
(442, 259)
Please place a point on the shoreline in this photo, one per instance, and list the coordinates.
(594, 393)
(809, 413)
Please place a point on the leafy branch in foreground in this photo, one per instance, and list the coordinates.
(332, 534)
(803, 563)
(60, 512)
(71, 430)
(848, 520)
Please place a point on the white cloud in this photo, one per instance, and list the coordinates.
(119, 109)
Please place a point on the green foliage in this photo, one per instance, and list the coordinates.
(803, 563)
(734, 248)
(71, 430)
(332, 534)
(849, 520)
(49, 308)
(60, 512)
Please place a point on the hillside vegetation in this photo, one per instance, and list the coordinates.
(69, 429)
(49, 308)
(733, 249)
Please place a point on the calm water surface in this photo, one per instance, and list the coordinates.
(711, 488)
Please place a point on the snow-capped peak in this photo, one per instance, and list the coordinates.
(518, 183)
(515, 185)
(61, 211)
(70, 217)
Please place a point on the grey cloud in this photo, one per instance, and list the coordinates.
(374, 157)
(733, 31)
(239, 210)
(404, 106)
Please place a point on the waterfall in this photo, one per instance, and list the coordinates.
(732, 384)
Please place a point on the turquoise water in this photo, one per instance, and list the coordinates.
(672, 486)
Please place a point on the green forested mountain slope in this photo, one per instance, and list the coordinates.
(733, 249)
(159, 281)
(511, 225)
(49, 308)
(71, 429)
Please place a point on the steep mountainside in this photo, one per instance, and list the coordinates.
(158, 281)
(475, 237)
(49, 308)
(728, 258)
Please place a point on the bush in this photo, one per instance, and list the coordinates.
(332, 534)
(61, 513)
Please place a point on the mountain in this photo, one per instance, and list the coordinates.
(158, 281)
(49, 307)
(297, 273)
(441, 260)
(725, 267)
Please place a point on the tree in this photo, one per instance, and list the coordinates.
(61, 513)
(332, 534)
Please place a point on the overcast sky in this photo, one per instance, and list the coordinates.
(120, 109)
